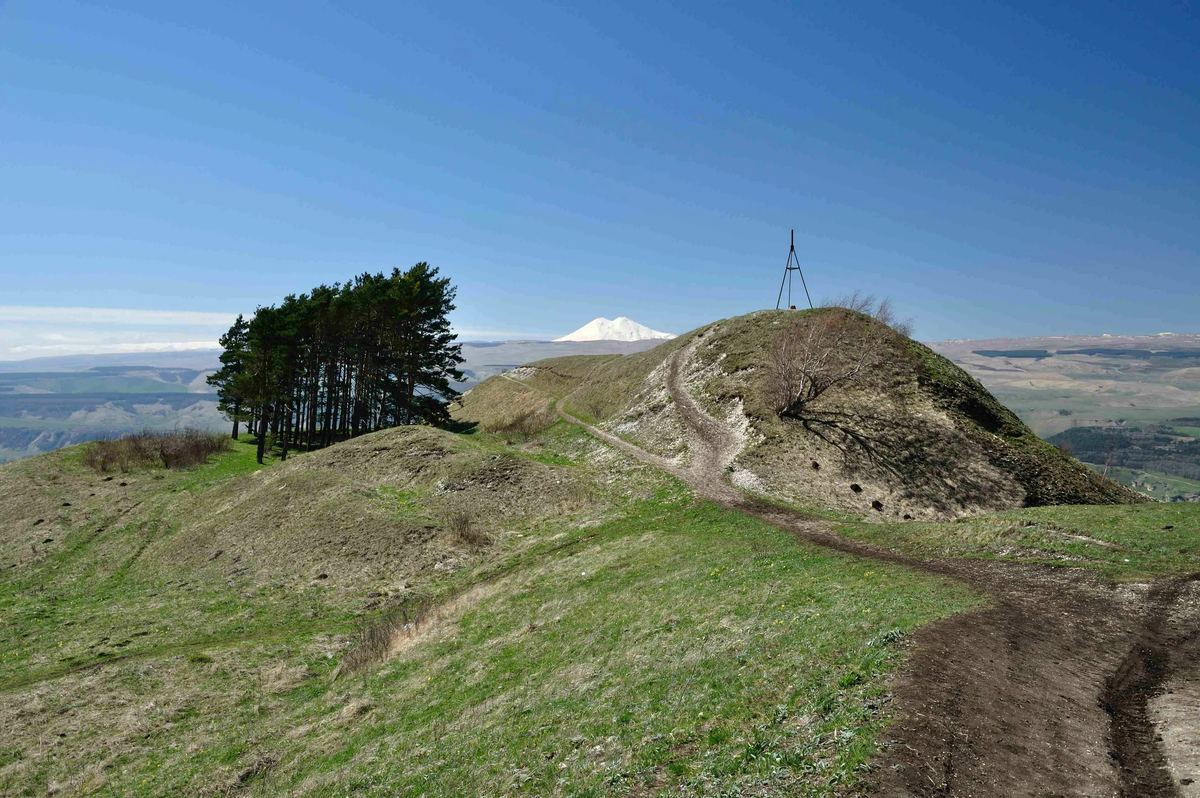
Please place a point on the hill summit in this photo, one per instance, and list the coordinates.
(827, 409)
(618, 329)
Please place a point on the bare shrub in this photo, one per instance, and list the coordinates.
(464, 530)
(373, 641)
(175, 450)
(817, 353)
(882, 310)
(524, 425)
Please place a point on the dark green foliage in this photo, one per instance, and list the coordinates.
(1155, 449)
(344, 360)
(1048, 475)
(233, 359)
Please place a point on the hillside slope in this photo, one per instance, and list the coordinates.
(538, 607)
(917, 437)
(188, 633)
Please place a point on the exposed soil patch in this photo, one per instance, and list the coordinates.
(1044, 693)
(1136, 744)
(1176, 715)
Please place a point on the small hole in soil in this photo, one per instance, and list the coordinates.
(907, 517)
(877, 505)
(1168, 527)
(322, 576)
(854, 486)
(816, 466)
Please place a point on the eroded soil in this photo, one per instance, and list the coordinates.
(1052, 690)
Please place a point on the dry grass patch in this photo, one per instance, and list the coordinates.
(375, 640)
(465, 530)
(139, 450)
(526, 424)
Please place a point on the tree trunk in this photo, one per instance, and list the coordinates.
(287, 433)
(262, 432)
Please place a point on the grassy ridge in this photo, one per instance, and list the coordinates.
(682, 644)
(1126, 542)
(646, 639)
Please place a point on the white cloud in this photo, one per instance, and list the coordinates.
(62, 315)
(110, 349)
(27, 331)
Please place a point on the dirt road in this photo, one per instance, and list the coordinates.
(1043, 693)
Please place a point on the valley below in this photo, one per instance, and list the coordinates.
(1127, 405)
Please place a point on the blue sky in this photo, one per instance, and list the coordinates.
(999, 169)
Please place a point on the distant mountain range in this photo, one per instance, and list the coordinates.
(195, 359)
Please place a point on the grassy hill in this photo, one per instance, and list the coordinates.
(180, 633)
(919, 437)
(515, 608)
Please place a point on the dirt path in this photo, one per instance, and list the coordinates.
(1043, 693)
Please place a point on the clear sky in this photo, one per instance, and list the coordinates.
(999, 169)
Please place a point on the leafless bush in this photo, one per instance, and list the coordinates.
(524, 425)
(373, 641)
(882, 310)
(464, 530)
(817, 353)
(146, 449)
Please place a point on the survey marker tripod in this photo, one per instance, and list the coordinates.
(787, 277)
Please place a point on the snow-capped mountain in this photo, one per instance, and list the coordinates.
(618, 329)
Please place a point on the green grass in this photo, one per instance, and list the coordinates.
(242, 460)
(77, 604)
(1125, 542)
(1191, 432)
(688, 646)
(673, 646)
(679, 646)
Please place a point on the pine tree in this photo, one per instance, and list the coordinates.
(344, 360)
(260, 380)
(428, 353)
(233, 359)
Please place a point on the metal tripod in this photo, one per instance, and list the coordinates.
(787, 277)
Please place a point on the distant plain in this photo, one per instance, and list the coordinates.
(1145, 390)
